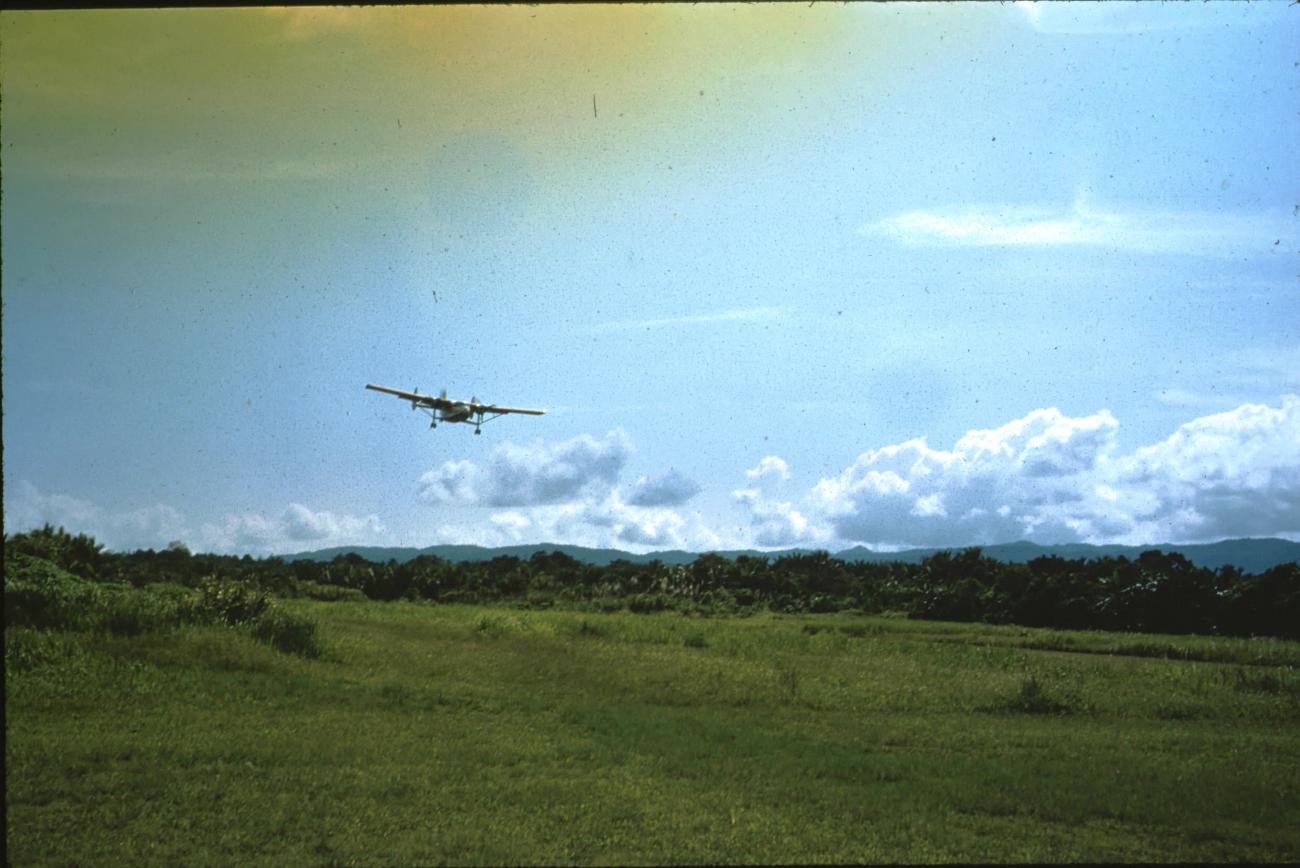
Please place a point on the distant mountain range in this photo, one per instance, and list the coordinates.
(1248, 555)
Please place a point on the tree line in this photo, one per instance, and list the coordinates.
(1155, 592)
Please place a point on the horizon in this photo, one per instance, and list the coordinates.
(557, 546)
(899, 276)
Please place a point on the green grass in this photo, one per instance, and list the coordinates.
(467, 735)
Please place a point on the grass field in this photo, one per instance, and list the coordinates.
(468, 735)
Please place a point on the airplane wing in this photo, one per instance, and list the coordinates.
(493, 408)
(438, 403)
(415, 397)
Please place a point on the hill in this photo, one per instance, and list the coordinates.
(1248, 555)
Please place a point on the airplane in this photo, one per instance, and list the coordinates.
(443, 409)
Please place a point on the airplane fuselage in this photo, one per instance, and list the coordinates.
(457, 412)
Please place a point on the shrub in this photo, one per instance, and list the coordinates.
(79, 555)
(823, 603)
(328, 593)
(230, 601)
(32, 649)
(609, 604)
(643, 604)
(1034, 698)
(540, 599)
(286, 632)
(1281, 681)
(41, 595)
(130, 613)
(586, 630)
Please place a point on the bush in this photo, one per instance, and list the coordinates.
(32, 649)
(1034, 698)
(286, 632)
(608, 604)
(230, 601)
(643, 604)
(41, 595)
(328, 593)
(130, 613)
(540, 599)
(584, 629)
(79, 555)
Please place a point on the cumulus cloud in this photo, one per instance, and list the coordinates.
(531, 475)
(28, 507)
(774, 521)
(567, 492)
(666, 489)
(1049, 477)
(604, 522)
(513, 521)
(1228, 474)
(294, 528)
(994, 485)
(1183, 232)
(771, 467)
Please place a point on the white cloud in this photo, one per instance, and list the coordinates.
(605, 522)
(994, 485)
(1047, 477)
(771, 467)
(567, 492)
(295, 528)
(734, 315)
(1181, 232)
(512, 525)
(666, 489)
(774, 521)
(531, 475)
(1050, 478)
(1229, 474)
(28, 507)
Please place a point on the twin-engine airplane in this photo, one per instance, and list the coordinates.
(443, 409)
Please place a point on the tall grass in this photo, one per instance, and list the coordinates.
(42, 596)
(435, 734)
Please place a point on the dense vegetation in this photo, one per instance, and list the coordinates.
(1155, 592)
(152, 716)
(42, 596)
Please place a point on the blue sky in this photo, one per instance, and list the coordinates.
(891, 275)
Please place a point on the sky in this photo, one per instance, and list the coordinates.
(815, 276)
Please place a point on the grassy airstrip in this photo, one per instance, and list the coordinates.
(471, 735)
